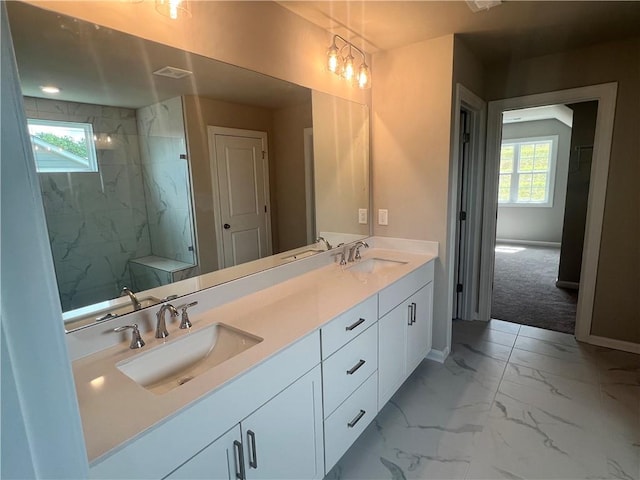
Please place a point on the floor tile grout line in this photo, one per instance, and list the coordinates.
(493, 399)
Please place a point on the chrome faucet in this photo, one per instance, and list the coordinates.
(356, 250)
(343, 254)
(161, 326)
(322, 239)
(134, 300)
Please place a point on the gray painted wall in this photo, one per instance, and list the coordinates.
(538, 224)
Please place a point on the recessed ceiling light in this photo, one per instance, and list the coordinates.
(49, 89)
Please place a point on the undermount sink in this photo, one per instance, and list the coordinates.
(168, 366)
(374, 265)
(303, 254)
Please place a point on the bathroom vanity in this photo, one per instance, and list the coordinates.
(313, 359)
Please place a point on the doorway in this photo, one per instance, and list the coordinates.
(543, 187)
(605, 95)
(240, 180)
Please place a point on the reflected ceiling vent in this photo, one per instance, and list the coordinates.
(172, 72)
(479, 5)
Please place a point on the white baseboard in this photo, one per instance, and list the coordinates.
(533, 243)
(613, 343)
(438, 355)
(569, 285)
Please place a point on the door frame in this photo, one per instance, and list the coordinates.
(606, 95)
(212, 132)
(477, 108)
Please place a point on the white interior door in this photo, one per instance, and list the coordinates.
(240, 171)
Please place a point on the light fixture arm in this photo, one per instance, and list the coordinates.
(350, 45)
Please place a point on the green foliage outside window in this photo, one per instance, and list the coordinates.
(76, 147)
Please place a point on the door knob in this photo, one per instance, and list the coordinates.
(227, 226)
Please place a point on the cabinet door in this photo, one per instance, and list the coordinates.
(392, 351)
(419, 331)
(283, 438)
(219, 461)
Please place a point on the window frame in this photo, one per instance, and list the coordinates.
(551, 183)
(91, 165)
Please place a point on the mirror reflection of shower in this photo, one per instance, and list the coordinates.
(127, 219)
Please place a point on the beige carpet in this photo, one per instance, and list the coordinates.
(524, 289)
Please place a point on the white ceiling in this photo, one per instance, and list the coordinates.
(97, 65)
(515, 29)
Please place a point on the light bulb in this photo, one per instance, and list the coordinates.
(364, 76)
(333, 58)
(348, 70)
(173, 9)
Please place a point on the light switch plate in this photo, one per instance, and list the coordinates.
(362, 216)
(383, 217)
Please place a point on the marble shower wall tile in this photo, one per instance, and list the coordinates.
(96, 221)
(166, 180)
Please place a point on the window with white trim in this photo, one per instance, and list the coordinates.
(527, 172)
(63, 146)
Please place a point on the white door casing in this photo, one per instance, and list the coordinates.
(240, 184)
(605, 94)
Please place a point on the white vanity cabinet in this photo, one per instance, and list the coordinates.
(404, 329)
(218, 461)
(349, 377)
(283, 438)
(280, 440)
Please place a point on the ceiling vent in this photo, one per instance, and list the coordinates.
(479, 5)
(172, 72)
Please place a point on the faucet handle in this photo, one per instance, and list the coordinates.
(185, 322)
(358, 245)
(136, 339)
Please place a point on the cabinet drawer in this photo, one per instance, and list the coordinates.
(348, 368)
(348, 325)
(405, 287)
(346, 424)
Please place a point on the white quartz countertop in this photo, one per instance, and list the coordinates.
(115, 409)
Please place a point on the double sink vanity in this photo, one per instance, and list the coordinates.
(279, 374)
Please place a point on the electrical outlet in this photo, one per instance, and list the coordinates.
(362, 216)
(383, 217)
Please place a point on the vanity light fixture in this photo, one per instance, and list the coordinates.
(343, 65)
(174, 9)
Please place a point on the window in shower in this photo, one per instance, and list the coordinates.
(63, 146)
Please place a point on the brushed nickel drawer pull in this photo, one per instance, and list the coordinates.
(253, 457)
(239, 460)
(353, 422)
(354, 325)
(355, 368)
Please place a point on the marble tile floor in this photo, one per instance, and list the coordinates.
(510, 402)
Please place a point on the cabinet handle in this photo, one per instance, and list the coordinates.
(353, 422)
(239, 460)
(354, 325)
(415, 307)
(355, 368)
(410, 320)
(253, 459)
